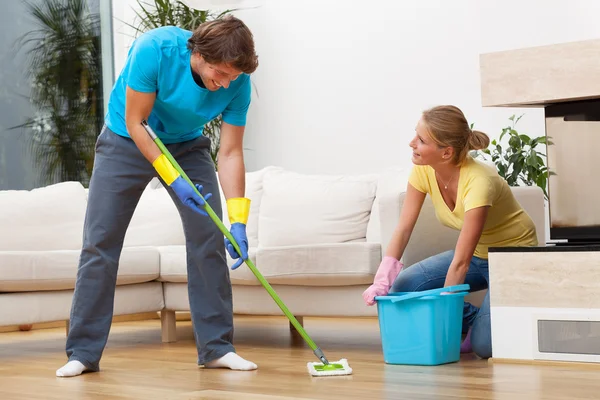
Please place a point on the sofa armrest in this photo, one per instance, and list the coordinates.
(531, 198)
(390, 188)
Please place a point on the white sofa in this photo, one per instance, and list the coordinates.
(318, 239)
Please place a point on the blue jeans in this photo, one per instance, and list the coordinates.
(431, 274)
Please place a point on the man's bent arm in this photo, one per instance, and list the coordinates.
(138, 106)
(232, 172)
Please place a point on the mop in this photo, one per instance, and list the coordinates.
(322, 368)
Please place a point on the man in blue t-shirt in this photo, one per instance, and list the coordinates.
(177, 81)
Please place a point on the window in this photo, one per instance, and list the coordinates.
(53, 69)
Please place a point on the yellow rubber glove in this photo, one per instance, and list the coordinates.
(238, 209)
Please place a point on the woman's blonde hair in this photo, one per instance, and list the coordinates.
(448, 127)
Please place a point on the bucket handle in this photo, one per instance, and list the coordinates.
(413, 295)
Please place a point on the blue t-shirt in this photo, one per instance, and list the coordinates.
(159, 61)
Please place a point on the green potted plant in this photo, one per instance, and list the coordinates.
(520, 162)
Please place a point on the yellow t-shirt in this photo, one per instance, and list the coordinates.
(479, 184)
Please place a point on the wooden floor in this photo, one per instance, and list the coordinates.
(136, 365)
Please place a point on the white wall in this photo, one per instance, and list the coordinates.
(342, 87)
(123, 35)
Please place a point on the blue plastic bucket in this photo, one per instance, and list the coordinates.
(422, 328)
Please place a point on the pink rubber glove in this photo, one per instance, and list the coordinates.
(386, 274)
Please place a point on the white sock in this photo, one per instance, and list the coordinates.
(231, 361)
(72, 368)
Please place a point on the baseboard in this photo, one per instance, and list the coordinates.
(570, 364)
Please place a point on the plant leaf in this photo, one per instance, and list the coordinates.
(525, 139)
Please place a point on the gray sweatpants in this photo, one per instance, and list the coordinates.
(119, 177)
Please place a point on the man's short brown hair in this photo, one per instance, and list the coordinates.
(226, 40)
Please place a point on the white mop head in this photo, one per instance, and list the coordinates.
(340, 367)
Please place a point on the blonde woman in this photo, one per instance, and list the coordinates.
(469, 196)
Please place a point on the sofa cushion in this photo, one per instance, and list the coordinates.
(337, 264)
(299, 209)
(173, 265)
(254, 191)
(330, 264)
(156, 221)
(57, 269)
(47, 218)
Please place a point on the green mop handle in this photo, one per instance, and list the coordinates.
(226, 232)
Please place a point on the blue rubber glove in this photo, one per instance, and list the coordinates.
(188, 196)
(238, 231)
(180, 186)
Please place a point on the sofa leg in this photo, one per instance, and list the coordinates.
(168, 326)
(300, 320)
